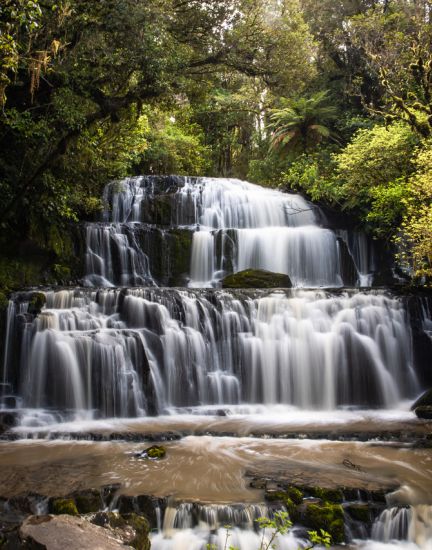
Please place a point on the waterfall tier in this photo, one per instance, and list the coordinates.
(231, 226)
(142, 351)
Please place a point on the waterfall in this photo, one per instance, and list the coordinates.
(144, 351)
(412, 524)
(199, 526)
(264, 229)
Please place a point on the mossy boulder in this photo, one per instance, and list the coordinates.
(425, 400)
(424, 412)
(141, 527)
(327, 495)
(283, 498)
(256, 278)
(88, 502)
(327, 516)
(36, 302)
(155, 452)
(64, 506)
(138, 539)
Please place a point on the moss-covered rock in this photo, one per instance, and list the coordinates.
(139, 538)
(256, 278)
(327, 516)
(291, 492)
(327, 495)
(155, 452)
(283, 498)
(88, 502)
(36, 302)
(64, 506)
(141, 527)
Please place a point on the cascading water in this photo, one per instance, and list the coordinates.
(218, 361)
(140, 351)
(235, 225)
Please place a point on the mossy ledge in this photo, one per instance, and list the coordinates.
(256, 278)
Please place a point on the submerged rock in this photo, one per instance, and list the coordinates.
(256, 278)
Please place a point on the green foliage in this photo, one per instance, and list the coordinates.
(280, 524)
(175, 146)
(375, 157)
(302, 123)
(415, 239)
(320, 539)
(326, 516)
(315, 174)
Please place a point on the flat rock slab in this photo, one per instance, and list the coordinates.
(73, 533)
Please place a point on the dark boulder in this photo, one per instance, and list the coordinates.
(256, 278)
(424, 412)
(425, 400)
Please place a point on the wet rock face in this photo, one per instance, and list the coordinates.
(256, 278)
(425, 400)
(423, 405)
(326, 508)
(424, 412)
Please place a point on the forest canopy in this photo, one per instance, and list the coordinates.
(330, 98)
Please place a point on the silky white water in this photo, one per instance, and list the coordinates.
(235, 225)
(140, 351)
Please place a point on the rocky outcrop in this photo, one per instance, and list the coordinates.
(423, 405)
(256, 278)
(73, 533)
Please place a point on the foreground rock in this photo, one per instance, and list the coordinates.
(425, 400)
(424, 412)
(73, 533)
(423, 405)
(256, 278)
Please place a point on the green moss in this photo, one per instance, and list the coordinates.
(256, 278)
(155, 452)
(329, 517)
(141, 527)
(64, 506)
(295, 494)
(88, 502)
(328, 495)
(359, 512)
(36, 302)
(290, 497)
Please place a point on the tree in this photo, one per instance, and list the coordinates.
(303, 123)
(415, 239)
(397, 46)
